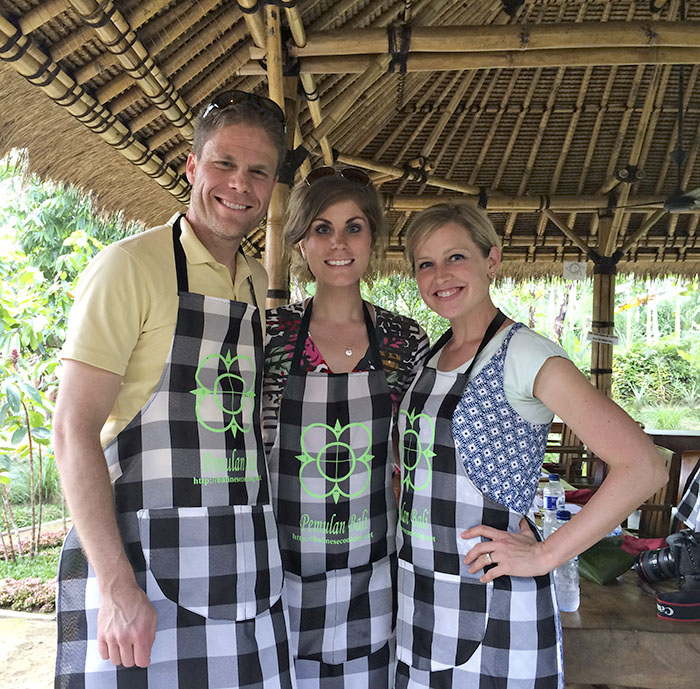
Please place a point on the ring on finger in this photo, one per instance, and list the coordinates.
(488, 557)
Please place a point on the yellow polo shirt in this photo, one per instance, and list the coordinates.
(125, 309)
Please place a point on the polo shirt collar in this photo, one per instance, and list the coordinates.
(197, 253)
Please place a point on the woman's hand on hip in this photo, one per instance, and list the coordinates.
(516, 554)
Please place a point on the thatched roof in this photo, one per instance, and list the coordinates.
(536, 114)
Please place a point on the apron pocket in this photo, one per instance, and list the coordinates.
(343, 614)
(222, 563)
(442, 617)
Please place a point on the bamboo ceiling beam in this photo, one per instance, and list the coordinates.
(643, 230)
(157, 38)
(41, 14)
(566, 230)
(308, 82)
(195, 68)
(122, 83)
(254, 22)
(510, 37)
(25, 56)
(399, 172)
(635, 153)
(507, 203)
(76, 40)
(568, 137)
(119, 38)
(445, 62)
(375, 70)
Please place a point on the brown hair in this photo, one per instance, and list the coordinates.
(472, 219)
(239, 112)
(308, 200)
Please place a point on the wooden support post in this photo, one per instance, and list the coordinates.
(603, 325)
(603, 322)
(278, 292)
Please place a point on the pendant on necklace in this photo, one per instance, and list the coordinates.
(348, 351)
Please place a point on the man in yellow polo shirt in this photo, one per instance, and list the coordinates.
(172, 575)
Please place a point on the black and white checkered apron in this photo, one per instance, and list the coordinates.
(330, 472)
(192, 502)
(453, 631)
(689, 507)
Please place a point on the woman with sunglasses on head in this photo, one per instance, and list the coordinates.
(335, 369)
(476, 606)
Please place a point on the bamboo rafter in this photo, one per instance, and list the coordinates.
(445, 62)
(118, 37)
(121, 83)
(33, 64)
(156, 35)
(477, 38)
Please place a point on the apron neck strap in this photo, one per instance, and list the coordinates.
(180, 260)
(304, 331)
(495, 324)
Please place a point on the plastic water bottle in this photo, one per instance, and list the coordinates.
(553, 500)
(566, 582)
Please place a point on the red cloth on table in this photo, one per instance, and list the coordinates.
(578, 497)
(634, 545)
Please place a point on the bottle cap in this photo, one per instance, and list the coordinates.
(554, 477)
(563, 515)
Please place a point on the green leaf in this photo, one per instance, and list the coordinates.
(36, 420)
(18, 435)
(14, 397)
(31, 391)
(4, 479)
(41, 432)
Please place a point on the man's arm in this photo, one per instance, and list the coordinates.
(126, 620)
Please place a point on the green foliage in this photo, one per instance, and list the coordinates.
(23, 515)
(44, 215)
(654, 373)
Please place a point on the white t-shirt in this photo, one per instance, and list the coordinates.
(526, 354)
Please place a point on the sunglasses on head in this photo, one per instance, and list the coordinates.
(352, 174)
(226, 99)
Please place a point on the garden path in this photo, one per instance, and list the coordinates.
(27, 651)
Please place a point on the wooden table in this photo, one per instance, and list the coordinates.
(616, 639)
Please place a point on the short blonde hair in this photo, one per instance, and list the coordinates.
(472, 219)
(307, 201)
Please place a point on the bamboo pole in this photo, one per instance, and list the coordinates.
(642, 231)
(642, 132)
(445, 62)
(603, 324)
(40, 15)
(254, 22)
(115, 33)
(399, 172)
(566, 230)
(512, 37)
(375, 70)
(36, 66)
(275, 265)
(504, 203)
(162, 41)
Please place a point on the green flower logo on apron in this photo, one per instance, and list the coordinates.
(414, 452)
(335, 469)
(228, 393)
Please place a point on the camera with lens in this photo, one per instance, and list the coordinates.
(680, 560)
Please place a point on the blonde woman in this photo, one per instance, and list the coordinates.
(336, 368)
(476, 602)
